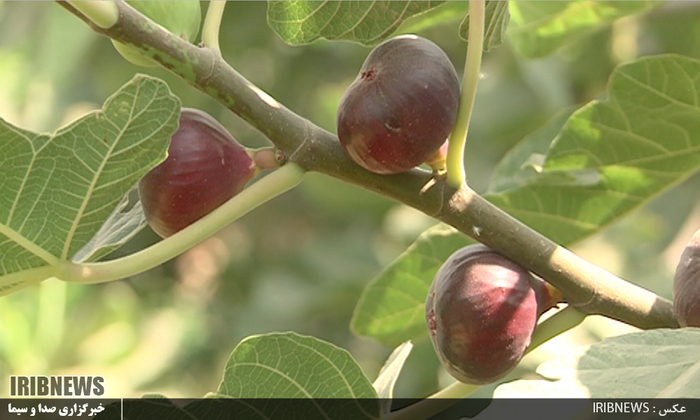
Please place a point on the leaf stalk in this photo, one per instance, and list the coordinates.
(472, 70)
(270, 186)
(212, 24)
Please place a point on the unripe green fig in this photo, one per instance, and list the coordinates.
(205, 167)
(481, 312)
(401, 107)
(182, 18)
(686, 285)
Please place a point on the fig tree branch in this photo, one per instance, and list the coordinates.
(101, 13)
(586, 286)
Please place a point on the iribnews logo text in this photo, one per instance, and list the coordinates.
(56, 386)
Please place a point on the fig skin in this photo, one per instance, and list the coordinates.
(686, 285)
(401, 107)
(481, 312)
(205, 167)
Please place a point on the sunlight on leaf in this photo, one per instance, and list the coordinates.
(302, 22)
(642, 140)
(386, 380)
(540, 27)
(650, 364)
(526, 159)
(448, 13)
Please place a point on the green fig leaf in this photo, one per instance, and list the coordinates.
(57, 190)
(617, 153)
(526, 159)
(650, 364)
(392, 307)
(368, 23)
(289, 365)
(389, 374)
(538, 28)
(448, 13)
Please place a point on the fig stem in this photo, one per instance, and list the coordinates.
(472, 69)
(19, 280)
(50, 319)
(435, 403)
(265, 158)
(557, 324)
(270, 186)
(212, 23)
(104, 14)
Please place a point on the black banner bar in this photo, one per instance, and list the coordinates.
(348, 409)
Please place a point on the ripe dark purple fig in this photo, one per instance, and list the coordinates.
(481, 312)
(205, 167)
(401, 107)
(686, 285)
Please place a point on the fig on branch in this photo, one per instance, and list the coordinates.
(205, 167)
(182, 18)
(686, 285)
(401, 107)
(481, 312)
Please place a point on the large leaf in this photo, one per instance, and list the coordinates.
(609, 158)
(614, 155)
(526, 159)
(57, 190)
(288, 365)
(277, 376)
(448, 13)
(302, 22)
(538, 28)
(651, 364)
(392, 307)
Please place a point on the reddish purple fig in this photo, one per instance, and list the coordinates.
(205, 167)
(481, 312)
(686, 285)
(401, 107)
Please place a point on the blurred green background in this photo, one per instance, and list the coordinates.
(301, 261)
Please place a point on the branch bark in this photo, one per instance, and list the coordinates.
(586, 286)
